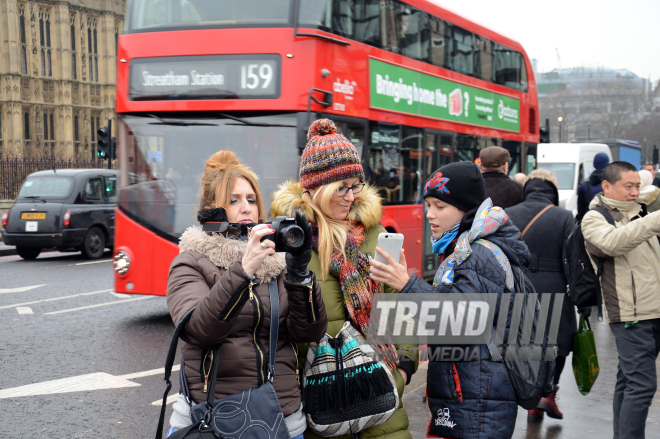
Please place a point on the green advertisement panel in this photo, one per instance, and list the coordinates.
(399, 89)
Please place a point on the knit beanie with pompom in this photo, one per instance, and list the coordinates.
(328, 156)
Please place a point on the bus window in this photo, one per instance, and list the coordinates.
(509, 68)
(384, 159)
(514, 152)
(483, 59)
(152, 14)
(459, 49)
(466, 148)
(409, 24)
(356, 19)
(437, 41)
(410, 165)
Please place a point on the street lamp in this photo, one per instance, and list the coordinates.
(559, 119)
(589, 131)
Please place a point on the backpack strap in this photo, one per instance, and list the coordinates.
(600, 261)
(538, 215)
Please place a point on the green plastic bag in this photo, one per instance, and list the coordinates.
(585, 358)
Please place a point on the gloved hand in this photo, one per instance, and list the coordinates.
(296, 262)
(586, 311)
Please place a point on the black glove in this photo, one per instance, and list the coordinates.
(296, 262)
(586, 311)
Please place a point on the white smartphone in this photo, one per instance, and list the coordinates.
(390, 243)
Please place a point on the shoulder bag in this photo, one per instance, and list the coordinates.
(346, 388)
(254, 413)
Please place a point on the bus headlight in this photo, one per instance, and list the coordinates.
(122, 262)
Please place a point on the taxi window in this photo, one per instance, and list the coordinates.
(111, 189)
(94, 190)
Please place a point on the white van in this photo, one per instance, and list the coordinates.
(572, 163)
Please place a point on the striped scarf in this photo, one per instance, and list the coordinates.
(357, 286)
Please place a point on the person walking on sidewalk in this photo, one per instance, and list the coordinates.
(494, 165)
(630, 253)
(546, 240)
(589, 189)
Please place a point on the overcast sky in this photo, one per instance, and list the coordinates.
(606, 33)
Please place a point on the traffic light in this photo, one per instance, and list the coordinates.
(544, 132)
(655, 155)
(103, 143)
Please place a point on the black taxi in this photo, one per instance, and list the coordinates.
(67, 209)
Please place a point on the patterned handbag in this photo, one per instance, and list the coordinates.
(346, 388)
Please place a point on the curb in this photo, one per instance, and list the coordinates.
(7, 250)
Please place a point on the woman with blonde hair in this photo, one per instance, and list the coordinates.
(345, 215)
(223, 270)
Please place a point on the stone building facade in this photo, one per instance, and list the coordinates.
(57, 75)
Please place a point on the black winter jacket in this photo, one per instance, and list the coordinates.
(546, 239)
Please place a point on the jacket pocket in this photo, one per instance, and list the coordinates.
(235, 302)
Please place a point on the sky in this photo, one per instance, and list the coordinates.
(586, 33)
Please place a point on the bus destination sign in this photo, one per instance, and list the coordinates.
(205, 77)
(399, 89)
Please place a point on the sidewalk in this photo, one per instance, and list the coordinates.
(587, 416)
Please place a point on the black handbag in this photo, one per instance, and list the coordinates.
(252, 414)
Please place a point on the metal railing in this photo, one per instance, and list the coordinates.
(14, 171)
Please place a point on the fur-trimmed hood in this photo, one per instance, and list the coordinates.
(366, 208)
(223, 252)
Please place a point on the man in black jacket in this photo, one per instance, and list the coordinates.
(587, 193)
(494, 165)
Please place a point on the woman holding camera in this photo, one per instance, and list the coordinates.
(345, 216)
(223, 270)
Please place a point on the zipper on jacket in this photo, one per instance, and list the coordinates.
(234, 300)
(634, 295)
(295, 352)
(311, 305)
(205, 372)
(257, 305)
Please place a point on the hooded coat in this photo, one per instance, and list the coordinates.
(650, 195)
(367, 210)
(208, 274)
(546, 240)
(595, 183)
(474, 399)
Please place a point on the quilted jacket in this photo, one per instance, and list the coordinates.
(474, 399)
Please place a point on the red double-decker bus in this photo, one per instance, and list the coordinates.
(412, 85)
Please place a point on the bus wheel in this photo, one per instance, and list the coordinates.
(28, 252)
(94, 243)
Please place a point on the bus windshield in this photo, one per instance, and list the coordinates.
(565, 173)
(157, 15)
(165, 157)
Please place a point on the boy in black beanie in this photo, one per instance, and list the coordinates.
(476, 244)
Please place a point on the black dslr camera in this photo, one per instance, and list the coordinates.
(288, 236)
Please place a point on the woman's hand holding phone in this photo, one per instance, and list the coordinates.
(394, 274)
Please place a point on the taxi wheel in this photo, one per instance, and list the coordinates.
(28, 252)
(94, 243)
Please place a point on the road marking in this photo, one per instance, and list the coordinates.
(94, 262)
(81, 383)
(96, 306)
(54, 298)
(24, 310)
(170, 400)
(20, 289)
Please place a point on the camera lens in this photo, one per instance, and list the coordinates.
(292, 237)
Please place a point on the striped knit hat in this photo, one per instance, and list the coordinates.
(328, 156)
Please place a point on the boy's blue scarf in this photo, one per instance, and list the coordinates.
(441, 244)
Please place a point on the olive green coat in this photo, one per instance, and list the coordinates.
(367, 209)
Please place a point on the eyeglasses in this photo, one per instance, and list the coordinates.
(356, 189)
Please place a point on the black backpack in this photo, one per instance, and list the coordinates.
(583, 281)
(531, 379)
